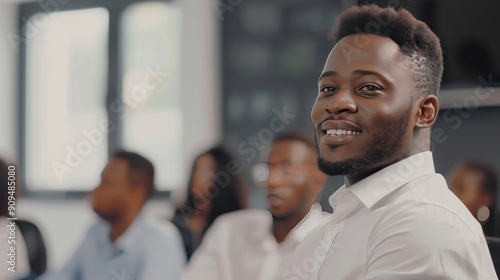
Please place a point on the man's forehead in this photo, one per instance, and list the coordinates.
(367, 47)
(289, 151)
(376, 54)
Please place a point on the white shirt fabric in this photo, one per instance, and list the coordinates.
(399, 223)
(241, 246)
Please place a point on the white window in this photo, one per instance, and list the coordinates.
(151, 53)
(66, 76)
(77, 109)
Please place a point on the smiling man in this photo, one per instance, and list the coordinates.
(394, 218)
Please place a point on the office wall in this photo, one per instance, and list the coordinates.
(272, 54)
(8, 83)
(475, 136)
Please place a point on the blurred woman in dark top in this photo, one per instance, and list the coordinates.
(475, 183)
(215, 187)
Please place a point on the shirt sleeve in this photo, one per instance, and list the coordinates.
(207, 261)
(165, 255)
(427, 242)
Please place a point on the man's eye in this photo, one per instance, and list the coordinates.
(370, 88)
(328, 89)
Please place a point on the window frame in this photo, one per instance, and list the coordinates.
(113, 88)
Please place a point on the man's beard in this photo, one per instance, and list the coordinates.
(385, 144)
(283, 217)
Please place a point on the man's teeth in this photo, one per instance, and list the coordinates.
(341, 132)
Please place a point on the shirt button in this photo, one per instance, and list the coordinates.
(337, 227)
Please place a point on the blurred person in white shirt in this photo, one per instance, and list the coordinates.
(257, 244)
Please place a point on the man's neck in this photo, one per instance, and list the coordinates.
(121, 225)
(282, 227)
(353, 179)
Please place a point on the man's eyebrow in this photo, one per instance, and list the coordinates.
(279, 162)
(367, 73)
(355, 72)
(327, 74)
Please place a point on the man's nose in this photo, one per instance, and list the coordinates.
(275, 178)
(340, 102)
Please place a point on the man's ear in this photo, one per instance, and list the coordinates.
(427, 111)
(139, 192)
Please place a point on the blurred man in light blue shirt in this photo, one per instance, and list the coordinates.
(125, 244)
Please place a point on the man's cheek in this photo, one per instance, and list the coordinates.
(300, 180)
(289, 192)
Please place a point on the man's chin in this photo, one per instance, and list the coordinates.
(326, 166)
(277, 214)
(105, 216)
(331, 168)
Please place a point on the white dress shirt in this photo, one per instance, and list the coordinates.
(399, 223)
(241, 246)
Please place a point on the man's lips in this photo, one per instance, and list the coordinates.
(340, 125)
(338, 132)
(340, 128)
(274, 199)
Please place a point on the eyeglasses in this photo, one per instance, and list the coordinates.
(261, 172)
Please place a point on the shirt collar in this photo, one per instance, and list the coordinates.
(126, 239)
(298, 233)
(310, 221)
(130, 236)
(376, 186)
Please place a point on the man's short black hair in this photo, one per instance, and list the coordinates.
(142, 171)
(415, 40)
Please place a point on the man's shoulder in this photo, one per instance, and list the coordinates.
(153, 227)
(439, 204)
(243, 220)
(432, 218)
(431, 195)
(426, 203)
(96, 230)
(245, 216)
(235, 216)
(159, 236)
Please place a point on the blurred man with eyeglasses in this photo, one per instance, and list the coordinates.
(257, 244)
